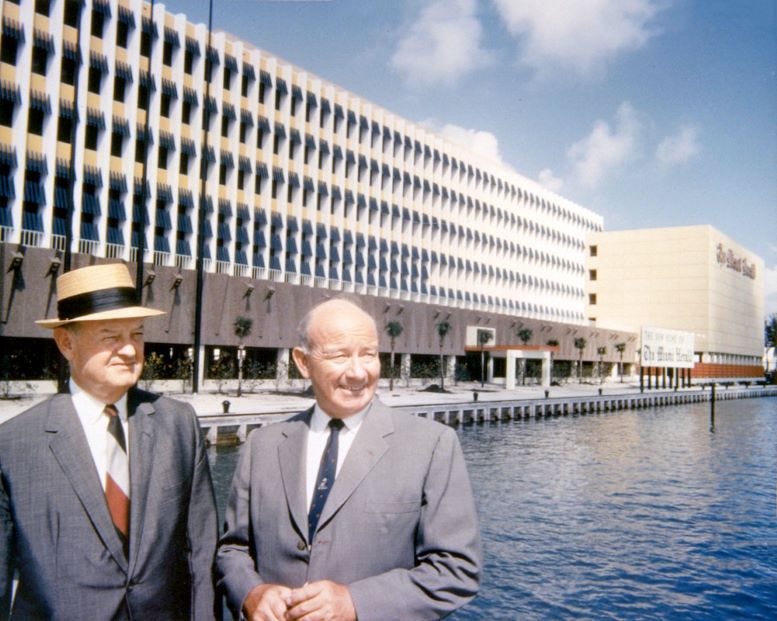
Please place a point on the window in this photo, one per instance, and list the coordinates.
(163, 153)
(188, 62)
(592, 298)
(223, 174)
(278, 99)
(72, 13)
(262, 92)
(64, 129)
(241, 177)
(227, 78)
(243, 131)
(143, 97)
(98, 24)
(167, 54)
(68, 73)
(164, 106)
(35, 122)
(592, 274)
(186, 112)
(225, 126)
(40, 57)
(183, 166)
(91, 135)
(140, 151)
(259, 138)
(119, 89)
(258, 184)
(117, 144)
(594, 251)
(95, 79)
(42, 7)
(145, 44)
(244, 87)
(9, 49)
(122, 34)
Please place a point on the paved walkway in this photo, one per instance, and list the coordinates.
(266, 401)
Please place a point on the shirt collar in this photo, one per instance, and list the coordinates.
(320, 419)
(90, 408)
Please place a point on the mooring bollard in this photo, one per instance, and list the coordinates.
(547, 394)
(225, 406)
(475, 396)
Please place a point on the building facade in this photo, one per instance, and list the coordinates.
(247, 186)
(690, 278)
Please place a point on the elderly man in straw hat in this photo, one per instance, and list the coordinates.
(106, 502)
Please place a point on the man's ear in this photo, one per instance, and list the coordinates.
(301, 360)
(64, 340)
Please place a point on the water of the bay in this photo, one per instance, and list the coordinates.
(647, 514)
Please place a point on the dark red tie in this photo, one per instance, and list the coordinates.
(117, 475)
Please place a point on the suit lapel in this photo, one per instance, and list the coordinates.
(141, 439)
(368, 447)
(291, 461)
(71, 450)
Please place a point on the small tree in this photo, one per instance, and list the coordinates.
(580, 344)
(620, 348)
(443, 328)
(393, 329)
(525, 335)
(242, 328)
(153, 366)
(601, 351)
(484, 337)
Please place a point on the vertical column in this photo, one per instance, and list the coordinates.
(282, 366)
(404, 368)
(510, 370)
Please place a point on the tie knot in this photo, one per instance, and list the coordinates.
(111, 410)
(336, 424)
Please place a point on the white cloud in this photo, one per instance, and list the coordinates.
(680, 148)
(581, 36)
(550, 181)
(442, 45)
(482, 143)
(605, 148)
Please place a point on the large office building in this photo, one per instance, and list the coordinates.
(691, 279)
(251, 188)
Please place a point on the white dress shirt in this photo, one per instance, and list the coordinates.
(317, 437)
(95, 425)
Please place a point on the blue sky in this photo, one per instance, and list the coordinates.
(651, 113)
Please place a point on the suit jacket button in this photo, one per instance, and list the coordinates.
(301, 546)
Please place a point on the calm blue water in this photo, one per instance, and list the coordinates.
(623, 515)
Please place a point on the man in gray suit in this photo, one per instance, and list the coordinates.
(106, 503)
(395, 540)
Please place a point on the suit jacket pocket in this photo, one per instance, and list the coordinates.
(395, 519)
(392, 507)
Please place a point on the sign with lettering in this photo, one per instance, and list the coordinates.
(667, 348)
(727, 258)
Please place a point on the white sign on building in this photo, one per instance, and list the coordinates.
(667, 348)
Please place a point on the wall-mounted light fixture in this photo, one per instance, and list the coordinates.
(149, 278)
(401, 308)
(249, 289)
(387, 308)
(177, 281)
(16, 261)
(270, 292)
(54, 266)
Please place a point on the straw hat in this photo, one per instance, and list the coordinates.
(95, 293)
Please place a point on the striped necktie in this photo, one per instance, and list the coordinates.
(117, 488)
(326, 477)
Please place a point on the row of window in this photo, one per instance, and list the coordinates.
(380, 137)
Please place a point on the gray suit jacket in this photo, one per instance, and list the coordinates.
(55, 529)
(399, 526)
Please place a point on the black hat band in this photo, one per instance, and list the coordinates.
(96, 302)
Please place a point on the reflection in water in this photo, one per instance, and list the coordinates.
(626, 515)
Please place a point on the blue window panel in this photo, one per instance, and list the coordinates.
(321, 250)
(259, 239)
(333, 272)
(275, 263)
(346, 274)
(32, 221)
(320, 270)
(393, 282)
(183, 248)
(184, 223)
(291, 265)
(241, 235)
(382, 280)
(5, 217)
(89, 231)
(90, 204)
(161, 243)
(307, 250)
(240, 257)
(7, 189)
(116, 210)
(291, 245)
(371, 263)
(334, 254)
(347, 256)
(360, 259)
(371, 279)
(305, 267)
(222, 254)
(33, 193)
(207, 229)
(224, 232)
(359, 277)
(115, 236)
(276, 243)
(258, 260)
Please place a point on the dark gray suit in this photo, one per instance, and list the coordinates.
(399, 526)
(55, 529)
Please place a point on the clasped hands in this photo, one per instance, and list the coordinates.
(316, 601)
